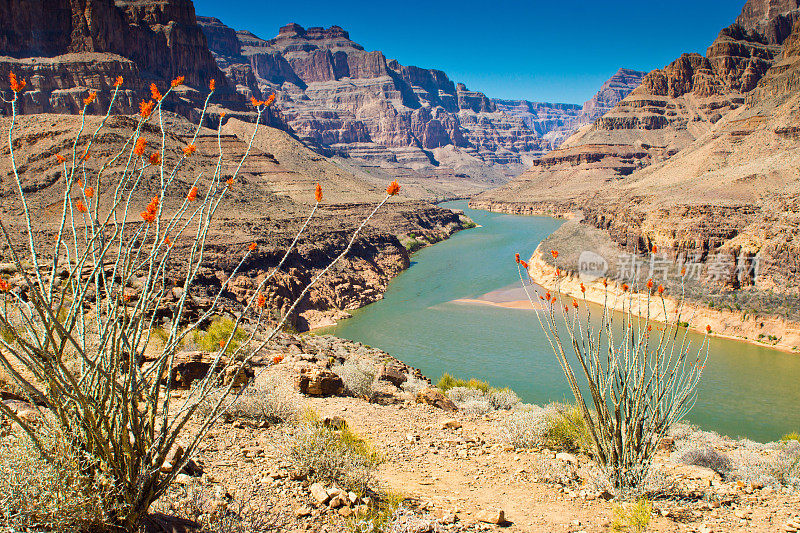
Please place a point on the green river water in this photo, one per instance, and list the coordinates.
(746, 390)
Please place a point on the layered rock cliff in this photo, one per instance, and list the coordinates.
(701, 160)
(64, 48)
(337, 95)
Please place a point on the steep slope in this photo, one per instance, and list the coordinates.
(64, 48)
(556, 122)
(702, 161)
(338, 96)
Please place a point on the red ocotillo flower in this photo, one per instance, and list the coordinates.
(583, 288)
(393, 188)
(625, 287)
(229, 181)
(654, 249)
(139, 148)
(708, 329)
(516, 258)
(192, 196)
(660, 289)
(146, 108)
(650, 283)
(154, 92)
(212, 85)
(80, 206)
(60, 158)
(16, 85)
(683, 271)
(4, 286)
(574, 303)
(256, 102)
(318, 193)
(86, 155)
(222, 343)
(91, 98)
(270, 99)
(548, 295)
(148, 217)
(118, 82)
(524, 264)
(155, 158)
(79, 183)
(252, 247)
(605, 283)
(558, 272)
(189, 149)
(554, 253)
(89, 192)
(262, 300)
(277, 359)
(167, 240)
(177, 81)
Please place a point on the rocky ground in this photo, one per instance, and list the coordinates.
(454, 469)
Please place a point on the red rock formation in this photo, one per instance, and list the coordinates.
(143, 41)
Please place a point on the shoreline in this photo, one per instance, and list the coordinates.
(724, 324)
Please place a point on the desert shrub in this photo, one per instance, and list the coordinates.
(708, 457)
(565, 429)
(791, 436)
(460, 394)
(447, 382)
(477, 401)
(53, 495)
(632, 517)
(358, 378)
(201, 505)
(413, 385)
(524, 427)
(331, 455)
(503, 399)
(218, 332)
(378, 516)
(272, 401)
(772, 464)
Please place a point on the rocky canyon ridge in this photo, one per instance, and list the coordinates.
(336, 94)
(701, 160)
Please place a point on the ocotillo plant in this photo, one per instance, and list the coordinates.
(74, 338)
(640, 376)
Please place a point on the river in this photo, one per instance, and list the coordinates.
(747, 390)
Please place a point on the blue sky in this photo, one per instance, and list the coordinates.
(556, 51)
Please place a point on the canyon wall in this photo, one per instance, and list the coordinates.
(700, 160)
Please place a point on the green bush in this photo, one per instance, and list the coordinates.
(565, 429)
(220, 330)
(447, 382)
(794, 435)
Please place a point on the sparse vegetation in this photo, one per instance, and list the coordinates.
(378, 517)
(632, 517)
(51, 495)
(220, 331)
(333, 455)
(708, 457)
(447, 382)
(791, 436)
(273, 401)
(565, 429)
(358, 378)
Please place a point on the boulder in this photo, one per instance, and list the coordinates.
(319, 493)
(393, 374)
(435, 397)
(492, 516)
(319, 382)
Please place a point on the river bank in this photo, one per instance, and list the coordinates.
(774, 332)
(426, 320)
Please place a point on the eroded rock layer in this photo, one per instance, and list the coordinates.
(701, 159)
(336, 94)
